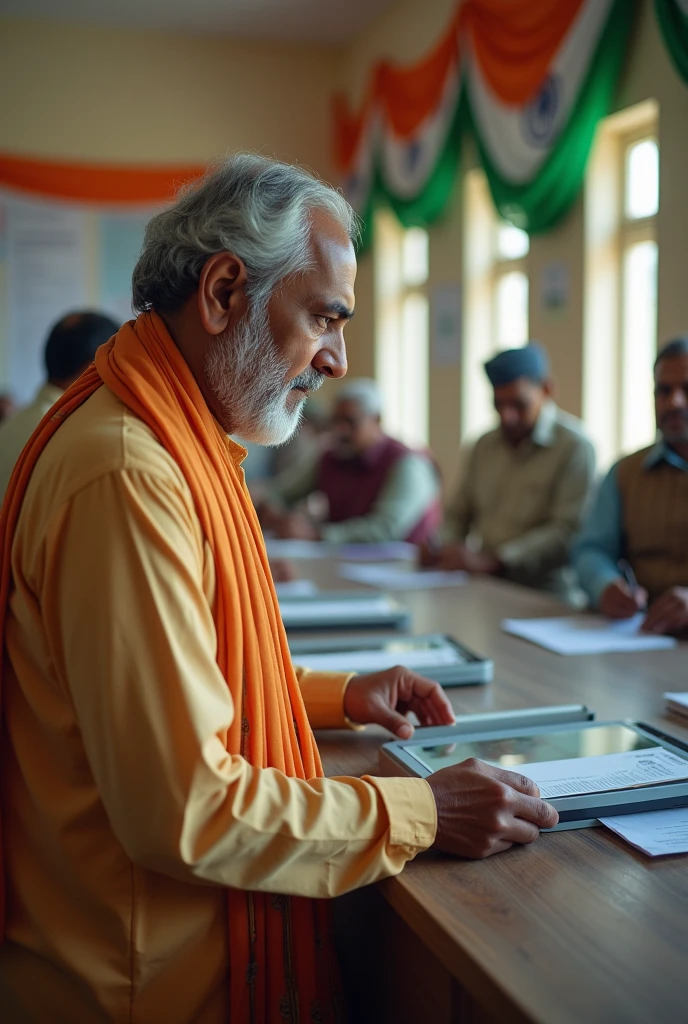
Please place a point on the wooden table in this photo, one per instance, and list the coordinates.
(578, 928)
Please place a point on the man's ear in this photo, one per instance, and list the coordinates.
(549, 387)
(222, 292)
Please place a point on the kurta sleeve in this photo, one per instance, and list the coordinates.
(133, 642)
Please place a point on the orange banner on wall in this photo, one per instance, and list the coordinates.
(96, 183)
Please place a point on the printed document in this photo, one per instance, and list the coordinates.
(587, 634)
(654, 832)
(604, 772)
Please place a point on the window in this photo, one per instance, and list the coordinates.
(496, 297)
(402, 327)
(622, 199)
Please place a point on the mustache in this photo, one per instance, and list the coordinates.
(309, 380)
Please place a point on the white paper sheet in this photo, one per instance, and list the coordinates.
(677, 702)
(378, 661)
(587, 634)
(604, 772)
(657, 833)
(296, 588)
(319, 611)
(394, 577)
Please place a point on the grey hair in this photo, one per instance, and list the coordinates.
(256, 208)
(363, 390)
(672, 349)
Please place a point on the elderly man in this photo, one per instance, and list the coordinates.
(634, 547)
(526, 485)
(69, 350)
(167, 830)
(375, 488)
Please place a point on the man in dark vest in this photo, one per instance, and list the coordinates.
(633, 550)
(374, 487)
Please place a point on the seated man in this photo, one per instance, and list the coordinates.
(526, 483)
(641, 516)
(376, 488)
(70, 348)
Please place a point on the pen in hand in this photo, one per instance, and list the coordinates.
(627, 572)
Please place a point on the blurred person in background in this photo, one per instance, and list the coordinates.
(69, 350)
(634, 547)
(526, 486)
(375, 488)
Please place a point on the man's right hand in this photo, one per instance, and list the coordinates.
(619, 601)
(483, 810)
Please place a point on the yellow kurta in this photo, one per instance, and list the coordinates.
(124, 814)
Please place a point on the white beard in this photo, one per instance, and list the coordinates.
(248, 378)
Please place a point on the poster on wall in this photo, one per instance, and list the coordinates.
(445, 314)
(56, 257)
(46, 275)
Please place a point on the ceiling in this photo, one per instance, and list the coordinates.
(315, 21)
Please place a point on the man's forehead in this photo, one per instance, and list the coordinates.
(672, 368)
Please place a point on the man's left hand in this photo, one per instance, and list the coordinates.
(669, 613)
(385, 698)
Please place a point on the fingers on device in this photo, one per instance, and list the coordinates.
(433, 655)
(586, 769)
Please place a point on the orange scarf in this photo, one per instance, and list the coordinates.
(281, 965)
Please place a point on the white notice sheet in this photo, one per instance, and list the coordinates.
(393, 577)
(604, 772)
(378, 661)
(587, 634)
(655, 832)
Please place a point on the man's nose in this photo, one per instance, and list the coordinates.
(678, 398)
(330, 360)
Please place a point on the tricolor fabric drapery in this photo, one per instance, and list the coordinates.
(103, 184)
(530, 80)
(672, 16)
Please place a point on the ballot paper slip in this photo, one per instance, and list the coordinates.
(677, 702)
(395, 577)
(605, 772)
(657, 833)
(587, 634)
(378, 661)
(296, 588)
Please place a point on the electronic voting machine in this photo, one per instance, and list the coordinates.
(433, 655)
(586, 769)
(346, 609)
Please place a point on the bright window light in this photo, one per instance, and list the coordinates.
(642, 179)
(415, 257)
(414, 386)
(511, 310)
(512, 243)
(639, 344)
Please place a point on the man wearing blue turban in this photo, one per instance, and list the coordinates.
(527, 482)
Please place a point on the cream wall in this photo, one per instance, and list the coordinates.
(91, 93)
(404, 33)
